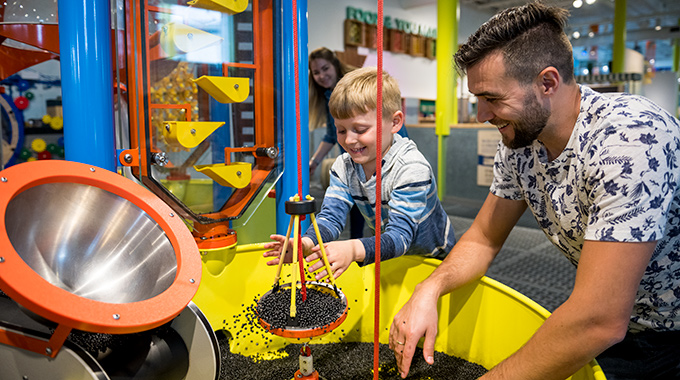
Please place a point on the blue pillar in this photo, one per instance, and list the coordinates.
(289, 182)
(87, 81)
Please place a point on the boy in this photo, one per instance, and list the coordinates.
(414, 221)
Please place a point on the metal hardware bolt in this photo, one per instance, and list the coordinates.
(2, 259)
(48, 351)
(127, 158)
(3, 179)
(92, 170)
(236, 86)
(193, 131)
(167, 127)
(116, 316)
(159, 158)
(191, 280)
(172, 215)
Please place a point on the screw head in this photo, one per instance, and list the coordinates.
(2, 259)
(167, 127)
(172, 215)
(193, 131)
(92, 170)
(3, 179)
(48, 351)
(191, 280)
(236, 86)
(127, 158)
(116, 316)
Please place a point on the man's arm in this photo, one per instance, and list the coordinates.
(468, 260)
(595, 316)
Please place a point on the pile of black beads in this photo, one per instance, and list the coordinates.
(318, 310)
(342, 361)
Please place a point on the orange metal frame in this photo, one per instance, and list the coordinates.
(30, 290)
(141, 45)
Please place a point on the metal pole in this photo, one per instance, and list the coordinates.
(87, 82)
(288, 187)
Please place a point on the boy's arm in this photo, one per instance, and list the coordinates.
(336, 204)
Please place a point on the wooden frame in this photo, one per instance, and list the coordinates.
(355, 33)
(372, 37)
(396, 42)
(431, 48)
(417, 45)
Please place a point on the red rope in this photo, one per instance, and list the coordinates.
(378, 198)
(303, 291)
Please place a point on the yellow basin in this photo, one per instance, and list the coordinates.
(483, 323)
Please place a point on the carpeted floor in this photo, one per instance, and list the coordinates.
(530, 264)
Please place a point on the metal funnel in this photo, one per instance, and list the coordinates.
(90, 242)
(89, 249)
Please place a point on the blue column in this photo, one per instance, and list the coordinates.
(288, 186)
(87, 81)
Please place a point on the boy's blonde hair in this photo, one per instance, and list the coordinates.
(356, 94)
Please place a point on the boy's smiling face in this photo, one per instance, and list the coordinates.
(357, 135)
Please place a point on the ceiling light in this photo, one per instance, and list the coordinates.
(590, 1)
(591, 34)
(576, 34)
(577, 3)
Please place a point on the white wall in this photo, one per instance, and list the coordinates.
(417, 76)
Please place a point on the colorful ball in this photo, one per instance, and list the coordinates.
(45, 155)
(38, 145)
(21, 102)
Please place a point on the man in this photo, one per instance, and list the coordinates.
(600, 174)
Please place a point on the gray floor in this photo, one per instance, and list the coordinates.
(528, 262)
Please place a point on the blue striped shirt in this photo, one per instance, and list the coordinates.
(413, 220)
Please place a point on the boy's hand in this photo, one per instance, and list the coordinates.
(276, 246)
(340, 255)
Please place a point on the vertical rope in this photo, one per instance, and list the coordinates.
(378, 197)
(299, 147)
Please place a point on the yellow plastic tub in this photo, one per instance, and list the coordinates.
(483, 323)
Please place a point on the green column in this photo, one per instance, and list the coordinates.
(619, 48)
(446, 106)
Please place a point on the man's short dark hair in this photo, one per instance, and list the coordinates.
(531, 37)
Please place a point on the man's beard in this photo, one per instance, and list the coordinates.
(529, 125)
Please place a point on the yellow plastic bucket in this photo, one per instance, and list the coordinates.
(483, 323)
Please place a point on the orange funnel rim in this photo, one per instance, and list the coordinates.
(29, 289)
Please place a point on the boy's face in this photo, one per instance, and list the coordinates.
(357, 135)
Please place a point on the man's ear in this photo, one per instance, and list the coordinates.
(397, 121)
(549, 80)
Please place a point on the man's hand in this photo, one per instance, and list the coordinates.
(340, 255)
(416, 319)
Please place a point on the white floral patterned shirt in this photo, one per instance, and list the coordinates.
(616, 180)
